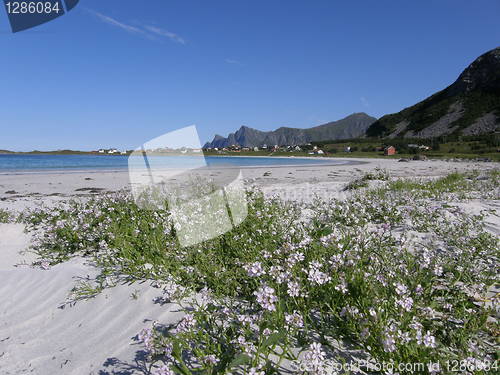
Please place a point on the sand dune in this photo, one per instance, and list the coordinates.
(41, 335)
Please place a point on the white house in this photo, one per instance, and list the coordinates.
(421, 147)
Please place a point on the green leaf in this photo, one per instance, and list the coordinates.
(240, 359)
(273, 339)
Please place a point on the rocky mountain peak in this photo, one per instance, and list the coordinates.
(483, 73)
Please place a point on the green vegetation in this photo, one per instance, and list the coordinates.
(418, 116)
(361, 182)
(283, 289)
(5, 216)
(454, 182)
(423, 114)
(444, 147)
(477, 104)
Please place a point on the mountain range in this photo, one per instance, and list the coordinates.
(352, 126)
(469, 106)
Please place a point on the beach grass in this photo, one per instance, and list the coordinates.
(363, 181)
(397, 273)
(5, 216)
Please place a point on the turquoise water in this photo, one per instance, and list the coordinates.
(18, 162)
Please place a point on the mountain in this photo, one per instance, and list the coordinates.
(352, 126)
(469, 106)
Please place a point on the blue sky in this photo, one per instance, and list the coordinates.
(120, 72)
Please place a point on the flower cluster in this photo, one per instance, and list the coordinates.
(266, 297)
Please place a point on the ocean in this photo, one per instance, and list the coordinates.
(31, 162)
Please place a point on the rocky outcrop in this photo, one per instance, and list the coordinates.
(486, 124)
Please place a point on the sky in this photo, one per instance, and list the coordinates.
(117, 73)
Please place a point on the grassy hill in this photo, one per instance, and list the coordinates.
(470, 106)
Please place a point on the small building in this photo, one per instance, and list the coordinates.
(320, 152)
(389, 150)
(101, 151)
(348, 149)
(256, 148)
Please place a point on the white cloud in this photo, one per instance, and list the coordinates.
(113, 22)
(172, 36)
(364, 101)
(148, 31)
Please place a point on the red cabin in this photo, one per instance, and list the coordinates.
(389, 150)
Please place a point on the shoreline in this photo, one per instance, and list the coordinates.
(26, 190)
(319, 161)
(325, 161)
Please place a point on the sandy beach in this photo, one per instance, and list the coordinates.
(42, 332)
(30, 189)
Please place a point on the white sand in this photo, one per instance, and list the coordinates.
(95, 337)
(41, 335)
(13, 242)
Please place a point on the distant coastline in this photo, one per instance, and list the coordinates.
(58, 152)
